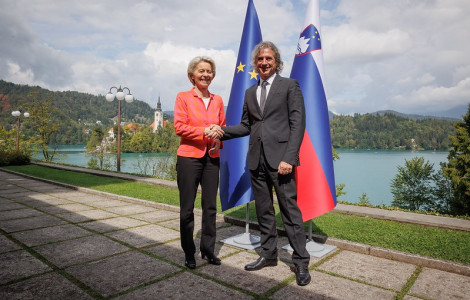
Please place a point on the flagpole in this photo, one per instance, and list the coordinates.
(247, 238)
(235, 183)
(315, 176)
(312, 246)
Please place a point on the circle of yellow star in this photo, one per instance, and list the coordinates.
(240, 67)
(253, 75)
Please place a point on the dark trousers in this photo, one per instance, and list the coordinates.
(190, 173)
(263, 180)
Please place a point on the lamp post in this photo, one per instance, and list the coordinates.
(17, 114)
(119, 95)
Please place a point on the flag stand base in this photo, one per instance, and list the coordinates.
(245, 240)
(314, 249)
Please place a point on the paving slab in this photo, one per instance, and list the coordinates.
(49, 188)
(130, 209)
(40, 196)
(374, 270)
(45, 201)
(157, 216)
(104, 203)
(121, 272)
(436, 284)
(90, 257)
(11, 206)
(6, 245)
(90, 199)
(113, 224)
(4, 186)
(80, 250)
(232, 230)
(15, 193)
(30, 223)
(173, 251)
(324, 286)
(19, 214)
(185, 286)
(87, 215)
(232, 271)
(48, 286)
(48, 235)
(65, 208)
(71, 195)
(18, 264)
(408, 297)
(145, 235)
(32, 184)
(5, 200)
(286, 256)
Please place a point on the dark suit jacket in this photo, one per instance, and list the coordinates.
(280, 128)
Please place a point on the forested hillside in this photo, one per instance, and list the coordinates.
(79, 113)
(76, 111)
(388, 131)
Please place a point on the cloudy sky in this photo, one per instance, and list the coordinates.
(408, 56)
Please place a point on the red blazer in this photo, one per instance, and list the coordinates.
(191, 118)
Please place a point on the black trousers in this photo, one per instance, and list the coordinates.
(190, 173)
(263, 179)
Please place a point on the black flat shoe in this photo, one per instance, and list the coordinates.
(190, 262)
(212, 259)
(260, 263)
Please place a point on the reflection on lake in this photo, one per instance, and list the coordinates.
(362, 171)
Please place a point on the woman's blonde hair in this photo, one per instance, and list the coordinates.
(195, 61)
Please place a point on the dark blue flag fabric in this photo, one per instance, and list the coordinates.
(316, 193)
(235, 182)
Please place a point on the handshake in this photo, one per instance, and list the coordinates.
(213, 131)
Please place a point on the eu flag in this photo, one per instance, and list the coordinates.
(316, 193)
(235, 182)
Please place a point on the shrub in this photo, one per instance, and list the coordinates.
(14, 158)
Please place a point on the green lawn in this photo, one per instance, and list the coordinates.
(438, 243)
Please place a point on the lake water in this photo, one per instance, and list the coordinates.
(362, 171)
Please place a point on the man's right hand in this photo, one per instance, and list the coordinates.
(213, 131)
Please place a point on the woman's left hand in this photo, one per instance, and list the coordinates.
(215, 146)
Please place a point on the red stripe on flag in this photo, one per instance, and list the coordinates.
(314, 197)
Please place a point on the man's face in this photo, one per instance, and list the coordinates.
(266, 63)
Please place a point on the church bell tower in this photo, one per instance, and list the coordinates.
(158, 117)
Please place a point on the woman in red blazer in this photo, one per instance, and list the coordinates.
(198, 158)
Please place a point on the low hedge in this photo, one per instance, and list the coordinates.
(14, 158)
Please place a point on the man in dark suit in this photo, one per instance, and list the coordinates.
(274, 117)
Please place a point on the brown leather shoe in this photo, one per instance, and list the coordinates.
(302, 276)
(260, 263)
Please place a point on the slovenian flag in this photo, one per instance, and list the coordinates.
(235, 181)
(316, 193)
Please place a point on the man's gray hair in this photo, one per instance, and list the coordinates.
(267, 45)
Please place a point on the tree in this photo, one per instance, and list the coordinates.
(141, 142)
(339, 188)
(457, 169)
(413, 186)
(96, 138)
(443, 192)
(43, 120)
(166, 139)
(364, 200)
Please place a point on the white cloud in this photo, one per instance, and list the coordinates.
(404, 55)
(440, 97)
(348, 44)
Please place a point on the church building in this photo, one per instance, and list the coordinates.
(158, 117)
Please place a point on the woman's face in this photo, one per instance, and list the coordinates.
(203, 75)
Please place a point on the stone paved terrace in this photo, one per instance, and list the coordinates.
(63, 243)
